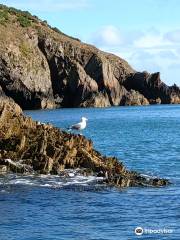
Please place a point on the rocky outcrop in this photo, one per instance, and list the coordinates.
(27, 146)
(134, 98)
(24, 71)
(153, 89)
(40, 67)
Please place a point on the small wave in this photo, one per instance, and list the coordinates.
(71, 178)
(147, 176)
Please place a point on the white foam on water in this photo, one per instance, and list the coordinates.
(71, 174)
(148, 176)
(21, 181)
(72, 177)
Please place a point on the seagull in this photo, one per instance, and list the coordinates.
(79, 126)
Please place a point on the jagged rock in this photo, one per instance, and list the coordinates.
(155, 101)
(24, 71)
(27, 146)
(3, 169)
(41, 67)
(134, 98)
(15, 167)
(151, 86)
(96, 100)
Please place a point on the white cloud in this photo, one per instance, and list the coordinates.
(151, 41)
(107, 36)
(171, 55)
(150, 50)
(47, 5)
(173, 36)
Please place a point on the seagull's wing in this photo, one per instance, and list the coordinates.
(76, 126)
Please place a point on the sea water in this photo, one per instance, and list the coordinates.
(146, 139)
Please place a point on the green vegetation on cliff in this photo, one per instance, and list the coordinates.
(3, 16)
(24, 21)
(24, 18)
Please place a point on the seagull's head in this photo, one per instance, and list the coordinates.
(84, 119)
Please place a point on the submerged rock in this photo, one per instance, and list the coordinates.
(27, 146)
(41, 67)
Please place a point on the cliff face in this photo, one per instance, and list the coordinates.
(40, 67)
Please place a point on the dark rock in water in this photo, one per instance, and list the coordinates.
(40, 67)
(27, 146)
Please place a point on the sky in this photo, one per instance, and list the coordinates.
(146, 33)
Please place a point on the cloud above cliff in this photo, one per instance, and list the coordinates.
(152, 38)
(107, 36)
(47, 5)
(173, 36)
(150, 50)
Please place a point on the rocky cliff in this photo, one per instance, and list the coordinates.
(27, 146)
(40, 67)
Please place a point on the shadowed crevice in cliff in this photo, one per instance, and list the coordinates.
(18, 91)
(64, 76)
(57, 74)
(94, 69)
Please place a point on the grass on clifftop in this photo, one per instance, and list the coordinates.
(25, 19)
(3, 16)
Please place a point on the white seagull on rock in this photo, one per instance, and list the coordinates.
(79, 126)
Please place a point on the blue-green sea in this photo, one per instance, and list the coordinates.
(146, 139)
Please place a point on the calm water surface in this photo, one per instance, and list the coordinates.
(146, 139)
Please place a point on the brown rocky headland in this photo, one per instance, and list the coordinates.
(41, 67)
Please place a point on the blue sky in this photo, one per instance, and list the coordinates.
(144, 32)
